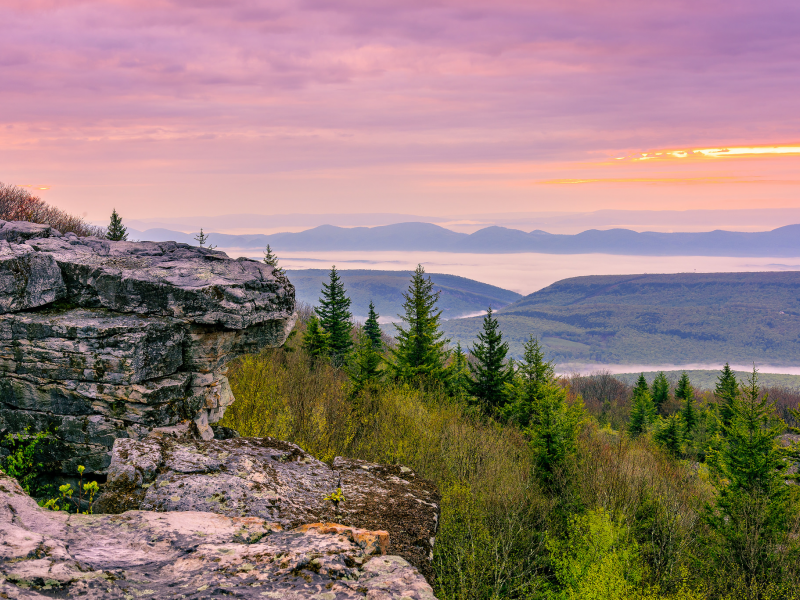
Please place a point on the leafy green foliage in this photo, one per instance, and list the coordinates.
(670, 434)
(685, 393)
(533, 379)
(364, 365)
(491, 375)
(335, 318)
(421, 351)
(21, 460)
(116, 230)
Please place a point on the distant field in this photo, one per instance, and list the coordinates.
(707, 380)
(459, 295)
(657, 319)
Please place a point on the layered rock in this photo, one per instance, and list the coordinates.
(101, 340)
(275, 481)
(195, 555)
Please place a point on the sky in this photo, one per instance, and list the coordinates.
(168, 108)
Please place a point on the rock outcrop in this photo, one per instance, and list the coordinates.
(101, 340)
(191, 555)
(275, 481)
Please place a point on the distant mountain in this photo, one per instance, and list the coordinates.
(657, 319)
(459, 295)
(781, 242)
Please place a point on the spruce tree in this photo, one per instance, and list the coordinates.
(364, 367)
(420, 352)
(669, 434)
(372, 329)
(491, 375)
(643, 411)
(272, 260)
(533, 377)
(685, 393)
(202, 238)
(752, 512)
(117, 232)
(659, 390)
(315, 339)
(459, 380)
(553, 432)
(335, 318)
(727, 391)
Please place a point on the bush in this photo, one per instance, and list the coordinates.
(17, 204)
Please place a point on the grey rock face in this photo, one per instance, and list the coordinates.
(102, 340)
(276, 481)
(191, 555)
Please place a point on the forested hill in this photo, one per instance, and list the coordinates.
(458, 296)
(781, 242)
(658, 319)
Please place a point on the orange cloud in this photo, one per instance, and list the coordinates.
(702, 153)
(659, 180)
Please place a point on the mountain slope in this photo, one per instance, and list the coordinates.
(459, 295)
(657, 319)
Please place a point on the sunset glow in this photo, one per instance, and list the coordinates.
(448, 108)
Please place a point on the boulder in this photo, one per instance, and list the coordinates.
(276, 481)
(191, 555)
(101, 340)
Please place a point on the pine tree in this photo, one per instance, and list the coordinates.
(202, 238)
(491, 375)
(364, 367)
(459, 379)
(117, 232)
(335, 318)
(315, 339)
(752, 511)
(553, 429)
(372, 329)
(669, 434)
(685, 393)
(643, 411)
(659, 390)
(533, 377)
(272, 260)
(420, 352)
(727, 391)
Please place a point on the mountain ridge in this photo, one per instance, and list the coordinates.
(780, 242)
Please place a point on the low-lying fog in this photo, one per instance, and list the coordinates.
(524, 272)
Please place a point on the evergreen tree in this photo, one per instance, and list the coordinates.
(202, 238)
(553, 429)
(533, 377)
(491, 375)
(272, 260)
(335, 318)
(315, 339)
(659, 390)
(727, 391)
(643, 411)
(752, 511)
(117, 232)
(420, 352)
(364, 368)
(372, 329)
(669, 434)
(685, 393)
(459, 379)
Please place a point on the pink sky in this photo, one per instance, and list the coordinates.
(183, 107)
